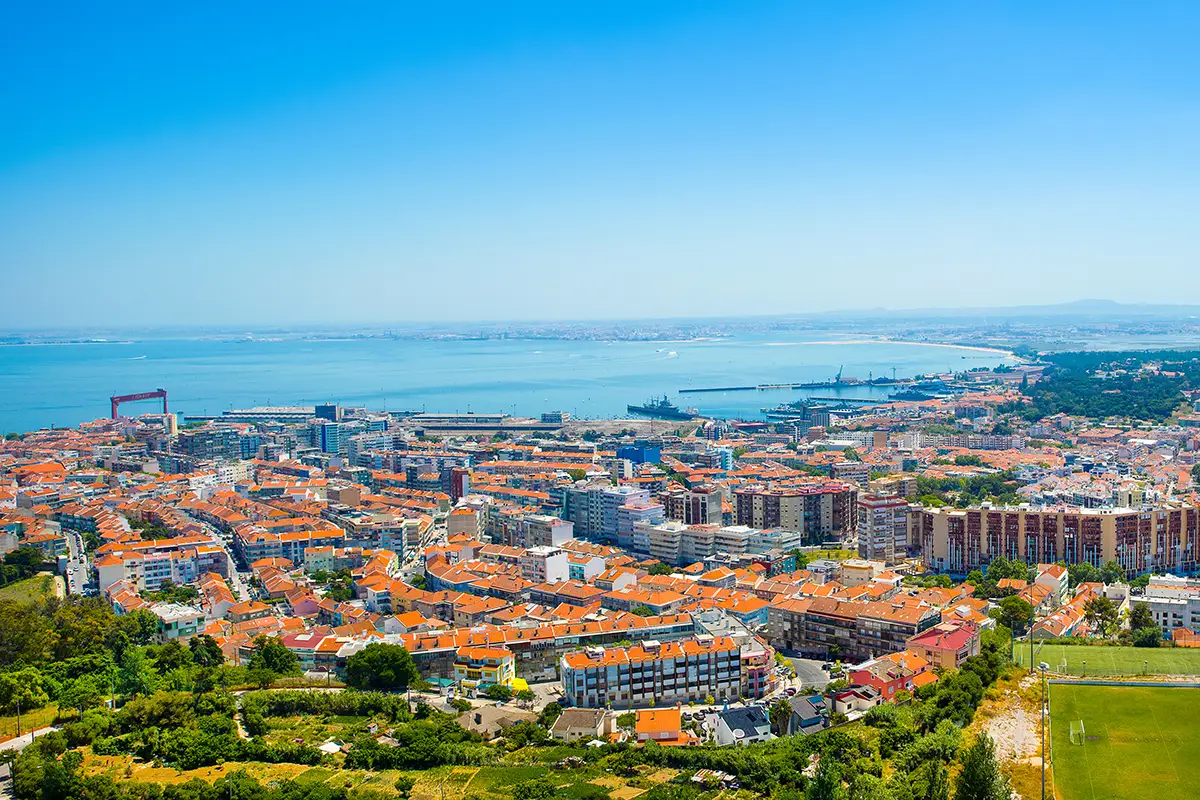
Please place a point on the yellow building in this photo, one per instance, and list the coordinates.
(480, 666)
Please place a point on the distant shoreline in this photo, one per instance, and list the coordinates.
(977, 348)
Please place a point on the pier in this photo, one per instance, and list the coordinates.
(831, 384)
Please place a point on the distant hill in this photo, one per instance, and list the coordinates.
(1077, 309)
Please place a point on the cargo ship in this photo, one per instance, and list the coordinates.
(663, 409)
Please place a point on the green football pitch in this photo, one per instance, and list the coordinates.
(1138, 743)
(1080, 659)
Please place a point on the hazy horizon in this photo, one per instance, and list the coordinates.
(1076, 310)
(544, 163)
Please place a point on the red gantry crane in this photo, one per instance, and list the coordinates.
(117, 399)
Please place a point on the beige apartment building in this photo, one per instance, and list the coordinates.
(1161, 539)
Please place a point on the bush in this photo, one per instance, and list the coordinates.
(347, 704)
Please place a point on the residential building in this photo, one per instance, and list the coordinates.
(948, 644)
(809, 715)
(882, 528)
(663, 726)
(700, 505)
(653, 673)
(483, 666)
(545, 565)
(820, 512)
(541, 530)
(1165, 538)
(177, 621)
(739, 726)
(894, 672)
(583, 723)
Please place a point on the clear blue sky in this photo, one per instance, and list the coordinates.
(315, 162)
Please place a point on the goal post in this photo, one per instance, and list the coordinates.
(1078, 733)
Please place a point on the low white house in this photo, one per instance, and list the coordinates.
(741, 726)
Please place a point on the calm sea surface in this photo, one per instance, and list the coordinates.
(63, 385)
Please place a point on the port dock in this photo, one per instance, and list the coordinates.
(766, 387)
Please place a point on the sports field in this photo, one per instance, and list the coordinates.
(1139, 743)
(1081, 659)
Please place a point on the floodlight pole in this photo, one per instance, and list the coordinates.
(1043, 682)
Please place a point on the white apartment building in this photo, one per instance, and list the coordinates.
(1174, 601)
(545, 565)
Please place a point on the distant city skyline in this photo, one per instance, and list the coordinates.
(542, 162)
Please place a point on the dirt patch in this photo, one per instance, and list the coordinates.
(1016, 734)
(1010, 714)
(662, 775)
(626, 792)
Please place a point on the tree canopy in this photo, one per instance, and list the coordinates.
(381, 666)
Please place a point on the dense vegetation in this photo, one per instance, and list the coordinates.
(22, 563)
(999, 487)
(1143, 397)
(1108, 384)
(1184, 361)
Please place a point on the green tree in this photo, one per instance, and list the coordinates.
(536, 789)
(86, 691)
(205, 651)
(627, 720)
(24, 562)
(780, 714)
(1140, 616)
(23, 687)
(1100, 613)
(659, 568)
(1112, 572)
(984, 588)
(498, 692)
(577, 474)
(866, 786)
(381, 666)
(136, 676)
(937, 781)
(980, 777)
(1015, 614)
(1147, 637)
(272, 656)
(171, 656)
(801, 557)
(550, 712)
(404, 784)
(1082, 572)
(826, 783)
(642, 610)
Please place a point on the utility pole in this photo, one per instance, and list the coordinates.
(1042, 669)
(1032, 613)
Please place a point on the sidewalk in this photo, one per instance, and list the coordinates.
(23, 741)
